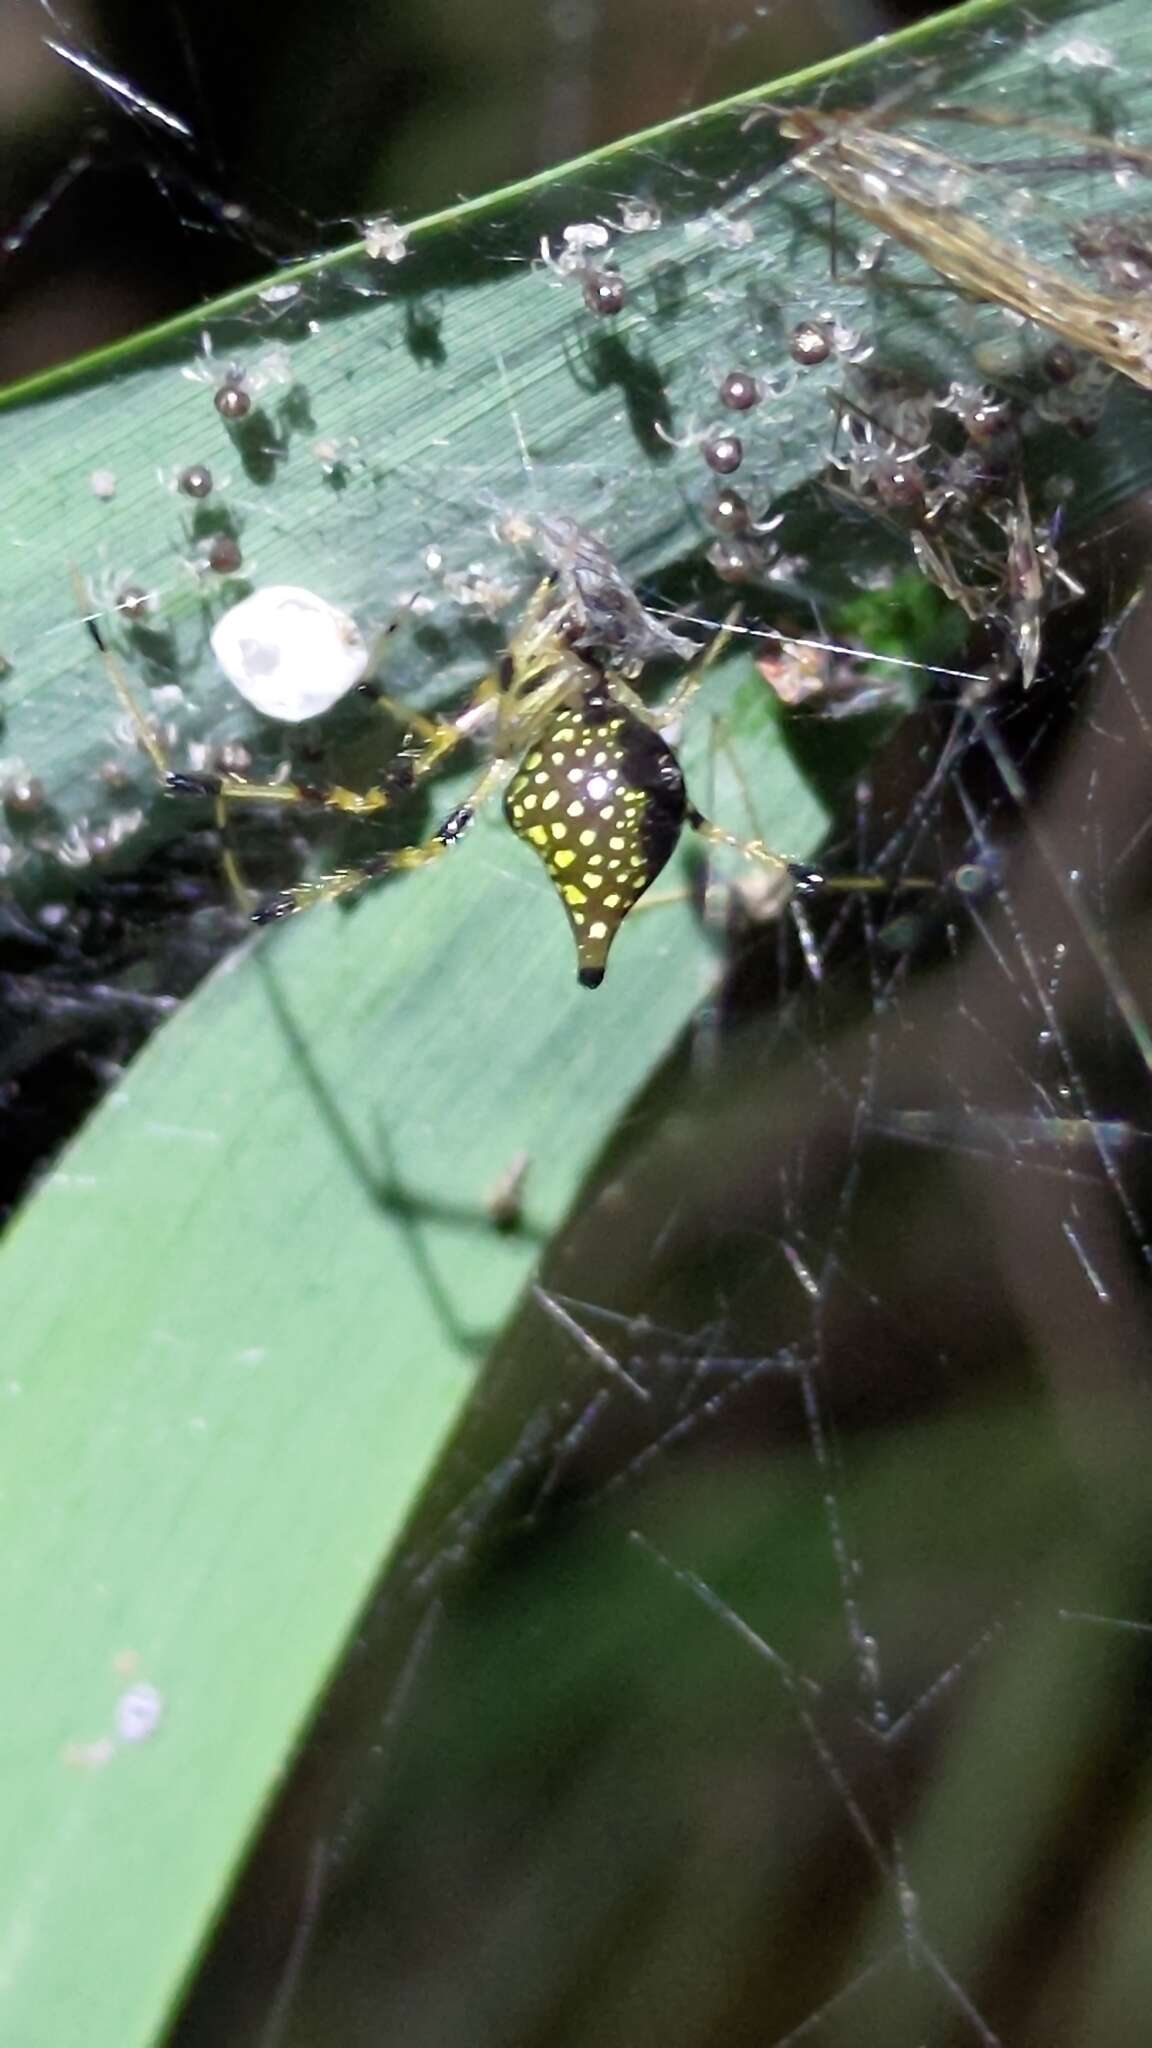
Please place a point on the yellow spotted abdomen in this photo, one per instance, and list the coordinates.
(601, 799)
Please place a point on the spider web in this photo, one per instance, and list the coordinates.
(770, 1662)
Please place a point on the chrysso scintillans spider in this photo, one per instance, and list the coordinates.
(590, 780)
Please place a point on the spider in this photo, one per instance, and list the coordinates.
(590, 782)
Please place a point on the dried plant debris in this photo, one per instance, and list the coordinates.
(921, 198)
(603, 611)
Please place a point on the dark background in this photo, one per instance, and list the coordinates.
(306, 117)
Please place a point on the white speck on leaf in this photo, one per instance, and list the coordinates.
(1080, 53)
(139, 1712)
(385, 241)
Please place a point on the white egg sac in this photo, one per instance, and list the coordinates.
(290, 653)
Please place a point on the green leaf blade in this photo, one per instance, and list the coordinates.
(244, 1314)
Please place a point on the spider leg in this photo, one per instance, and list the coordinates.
(754, 849)
(798, 872)
(416, 722)
(145, 732)
(793, 874)
(661, 716)
(536, 648)
(156, 751)
(412, 765)
(408, 769)
(438, 738)
(345, 880)
(537, 610)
